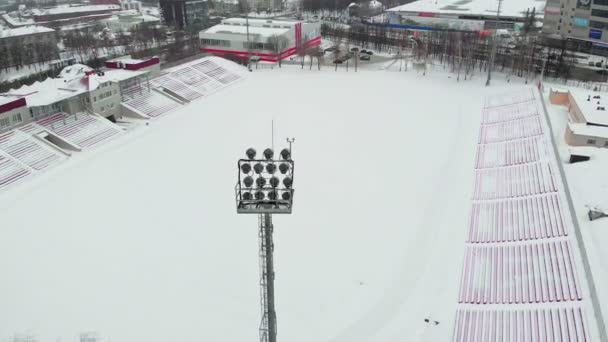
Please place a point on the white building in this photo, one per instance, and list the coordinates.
(229, 39)
(471, 15)
(77, 89)
(13, 112)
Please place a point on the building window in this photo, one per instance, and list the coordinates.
(215, 42)
(17, 118)
(95, 99)
(598, 25)
(115, 91)
(600, 2)
(103, 109)
(599, 13)
(590, 141)
(4, 123)
(112, 105)
(606, 143)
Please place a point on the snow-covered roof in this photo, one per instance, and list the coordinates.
(588, 130)
(232, 29)
(589, 106)
(260, 22)
(8, 98)
(72, 81)
(75, 9)
(511, 8)
(22, 31)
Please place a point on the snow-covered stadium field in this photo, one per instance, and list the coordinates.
(140, 241)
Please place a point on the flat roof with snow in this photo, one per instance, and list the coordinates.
(595, 110)
(75, 9)
(23, 31)
(511, 8)
(240, 30)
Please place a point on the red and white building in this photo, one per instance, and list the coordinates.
(13, 112)
(229, 39)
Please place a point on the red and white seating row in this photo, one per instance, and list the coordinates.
(536, 272)
(528, 218)
(509, 99)
(510, 130)
(11, 171)
(151, 103)
(195, 79)
(508, 113)
(509, 153)
(175, 86)
(566, 324)
(28, 150)
(513, 181)
(82, 129)
(217, 72)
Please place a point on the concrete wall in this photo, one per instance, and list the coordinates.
(559, 97)
(574, 139)
(575, 112)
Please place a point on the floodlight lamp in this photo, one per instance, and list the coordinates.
(283, 167)
(261, 181)
(271, 168)
(258, 168)
(272, 195)
(247, 196)
(285, 154)
(248, 181)
(251, 153)
(259, 195)
(286, 195)
(268, 154)
(287, 181)
(274, 182)
(246, 167)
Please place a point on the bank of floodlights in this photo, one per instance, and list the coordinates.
(265, 185)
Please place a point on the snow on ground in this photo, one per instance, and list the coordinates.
(140, 241)
(588, 186)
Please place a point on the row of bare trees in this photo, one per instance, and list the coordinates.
(464, 53)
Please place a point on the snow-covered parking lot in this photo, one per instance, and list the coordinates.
(140, 241)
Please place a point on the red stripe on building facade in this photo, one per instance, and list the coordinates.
(12, 105)
(267, 57)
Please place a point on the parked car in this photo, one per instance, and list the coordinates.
(363, 51)
(338, 61)
(370, 52)
(330, 49)
(355, 49)
(365, 57)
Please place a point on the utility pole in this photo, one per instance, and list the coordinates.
(494, 41)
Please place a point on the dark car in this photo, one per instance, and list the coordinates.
(363, 51)
(370, 52)
(354, 49)
(330, 49)
(338, 61)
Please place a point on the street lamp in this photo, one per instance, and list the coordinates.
(265, 187)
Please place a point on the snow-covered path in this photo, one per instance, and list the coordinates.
(142, 241)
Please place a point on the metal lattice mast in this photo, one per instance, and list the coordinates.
(268, 327)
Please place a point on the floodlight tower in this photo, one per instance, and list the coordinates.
(265, 187)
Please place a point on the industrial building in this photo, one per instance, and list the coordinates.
(239, 38)
(182, 13)
(588, 118)
(473, 15)
(30, 39)
(581, 20)
(78, 89)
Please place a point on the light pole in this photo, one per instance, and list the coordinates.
(265, 187)
(494, 41)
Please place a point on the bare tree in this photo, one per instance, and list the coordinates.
(277, 44)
